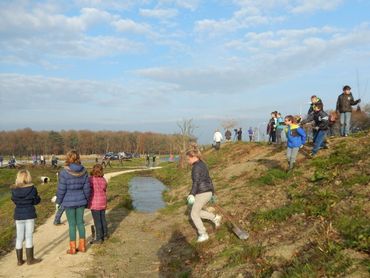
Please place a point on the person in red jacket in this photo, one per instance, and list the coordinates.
(98, 203)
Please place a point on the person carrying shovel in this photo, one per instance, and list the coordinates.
(201, 193)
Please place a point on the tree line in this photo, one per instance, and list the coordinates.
(28, 142)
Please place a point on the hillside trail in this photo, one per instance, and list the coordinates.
(51, 243)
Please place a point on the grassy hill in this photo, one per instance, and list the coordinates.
(311, 222)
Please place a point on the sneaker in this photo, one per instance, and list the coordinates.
(217, 220)
(203, 237)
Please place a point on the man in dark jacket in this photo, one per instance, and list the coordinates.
(321, 120)
(344, 107)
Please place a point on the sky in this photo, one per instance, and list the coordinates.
(148, 64)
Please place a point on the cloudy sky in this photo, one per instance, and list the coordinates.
(147, 64)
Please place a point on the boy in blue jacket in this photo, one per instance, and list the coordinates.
(296, 138)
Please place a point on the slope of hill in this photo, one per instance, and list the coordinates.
(311, 222)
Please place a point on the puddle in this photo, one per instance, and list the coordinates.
(146, 194)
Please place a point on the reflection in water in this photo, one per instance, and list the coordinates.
(146, 193)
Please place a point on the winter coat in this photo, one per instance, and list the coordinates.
(271, 126)
(74, 187)
(320, 118)
(280, 124)
(345, 103)
(98, 195)
(296, 136)
(201, 180)
(25, 198)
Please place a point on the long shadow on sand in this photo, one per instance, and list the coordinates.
(177, 257)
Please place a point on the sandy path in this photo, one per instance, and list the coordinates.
(51, 243)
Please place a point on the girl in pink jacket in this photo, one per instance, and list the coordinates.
(98, 203)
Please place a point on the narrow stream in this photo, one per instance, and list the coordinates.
(146, 194)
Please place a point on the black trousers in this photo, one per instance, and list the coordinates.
(100, 224)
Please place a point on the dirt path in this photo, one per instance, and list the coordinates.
(51, 243)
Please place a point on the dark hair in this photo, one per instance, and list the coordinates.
(319, 105)
(313, 96)
(97, 171)
(346, 88)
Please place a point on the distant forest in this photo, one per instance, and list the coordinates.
(27, 142)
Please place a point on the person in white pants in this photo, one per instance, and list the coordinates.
(201, 193)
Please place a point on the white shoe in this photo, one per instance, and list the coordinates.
(217, 220)
(203, 237)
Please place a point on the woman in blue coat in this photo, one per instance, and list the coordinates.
(73, 194)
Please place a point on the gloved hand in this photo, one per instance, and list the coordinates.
(213, 199)
(190, 200)
(316, 128)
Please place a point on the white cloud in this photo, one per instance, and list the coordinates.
(159, 13)
(128, 25)
(277, 55)
(308, 6)
(185, 4)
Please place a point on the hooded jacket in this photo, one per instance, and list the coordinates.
(296, 136)
(345, 103)
(201, 180)
(98, 196)
(320, 118)
(74, 187)
(25, 198)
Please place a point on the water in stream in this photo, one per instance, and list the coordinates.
(146, 194)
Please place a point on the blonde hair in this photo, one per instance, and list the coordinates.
(23, 178)
(97, 171)
(193, 151)
(72, 157)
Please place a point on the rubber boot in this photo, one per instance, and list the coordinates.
(82, 245)
(19, 256)
(72, 248)
(30, 258)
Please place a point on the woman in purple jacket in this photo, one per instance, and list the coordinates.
(73, 194)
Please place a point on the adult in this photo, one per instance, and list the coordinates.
(240, 133)
(228, 135)
(217, 138)
(344, 107)
(73, 194)
(279, 128)
(250, 134)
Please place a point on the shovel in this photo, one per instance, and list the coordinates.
(240, 233)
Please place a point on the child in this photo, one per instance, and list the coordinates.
(321, 127)
(296, 138)
(98, 203)
(279, 128)
(25, 197)
(201, 193)
(332, 121)
(73, 194)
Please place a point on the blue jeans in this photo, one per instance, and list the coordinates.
(24, 231)
(318, 141)
(59, 214)
(345, 123)
(100, 224)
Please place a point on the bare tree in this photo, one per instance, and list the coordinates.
(186, 136)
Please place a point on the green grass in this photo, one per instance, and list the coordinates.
(318, 261)
(272, 177)
(279, 214)
(44, 210)
(354, 226)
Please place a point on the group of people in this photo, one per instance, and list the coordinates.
(322, 124)
(76, 190)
